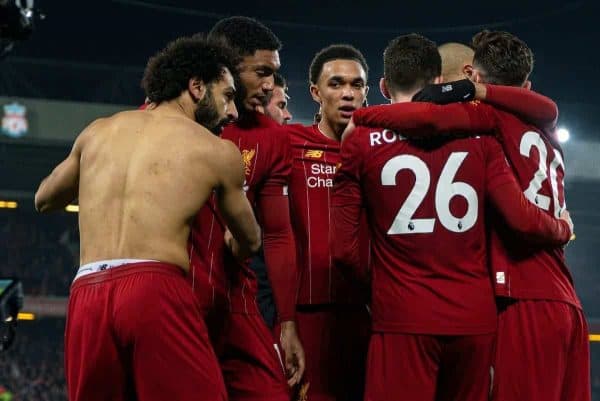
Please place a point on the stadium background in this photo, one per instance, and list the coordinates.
(86, 60)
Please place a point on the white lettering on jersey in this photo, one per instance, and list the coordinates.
(385, 136)
(318, 170)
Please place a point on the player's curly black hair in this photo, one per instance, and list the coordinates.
(502, 58)
(246, 35)
(410, 62)
(335, 52)
(169, 71)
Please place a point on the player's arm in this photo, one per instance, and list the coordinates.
(280, 260)
(503, 192)
(280, 252)
(233, 204)
(61, 187)
(531, 106)
(421, 120)
(278, 238)
(346, 203)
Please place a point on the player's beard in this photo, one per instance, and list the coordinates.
(207, 114)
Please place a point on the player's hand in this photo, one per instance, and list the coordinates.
(234, 247)
(449, 92)
(566, 216)
(295, 362)
(349, 128)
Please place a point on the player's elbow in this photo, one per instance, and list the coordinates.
(552, 116)
(41, 201)
(254, 240)
(255, 243)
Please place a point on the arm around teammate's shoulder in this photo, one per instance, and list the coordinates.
(233, 204)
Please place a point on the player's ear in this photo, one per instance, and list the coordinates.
(527, 85)
(468, 71)
(314, 92)
(438, 80)
(384, 89)
(197, 89)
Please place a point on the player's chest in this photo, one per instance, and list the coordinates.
(313, 168)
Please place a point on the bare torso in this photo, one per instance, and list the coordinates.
(143, 176)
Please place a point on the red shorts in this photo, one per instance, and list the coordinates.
(543, 353)
(411, 367)
(134, 332)
(335, 340)
(252, 361)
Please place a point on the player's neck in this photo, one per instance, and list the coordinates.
(402, 97)
(176, 107)
(329, 131)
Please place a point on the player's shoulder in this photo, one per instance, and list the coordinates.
(368, 137)
(227, 150)
(98, 128)
(298, 132)
(210, 150)
(274, 137)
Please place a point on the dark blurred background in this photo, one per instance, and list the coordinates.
(86, 59)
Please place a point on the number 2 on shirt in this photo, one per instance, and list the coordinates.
(446, 189)
(531, 139)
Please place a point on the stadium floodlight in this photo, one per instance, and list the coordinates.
(72, 208)
(563, 134)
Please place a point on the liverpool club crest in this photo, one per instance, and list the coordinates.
(14, 123)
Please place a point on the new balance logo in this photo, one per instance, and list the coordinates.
(447, 88)
(313, 153)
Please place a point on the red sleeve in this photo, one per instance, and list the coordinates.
(522, 216)
(346, 205)
(280, 253)
(419, 119)
(278, 239)
(532, 107)
(280, 163)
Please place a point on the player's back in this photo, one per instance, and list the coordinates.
(521, 270)
(142, 178)
(425, 205)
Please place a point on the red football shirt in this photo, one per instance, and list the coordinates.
(519, 270)
(206, 249)
(426, 210)
(315, 160)
(265, 150)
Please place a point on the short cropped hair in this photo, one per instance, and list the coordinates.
(279, 80)
(169, 71)
(335, 52)
(503, 58)
(246, 35)
(410, 62)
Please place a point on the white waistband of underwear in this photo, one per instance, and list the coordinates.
(100, 265)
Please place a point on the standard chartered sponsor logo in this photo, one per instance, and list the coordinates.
(321, 176)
